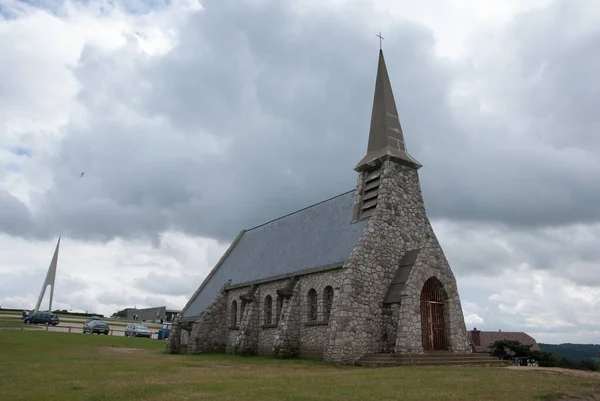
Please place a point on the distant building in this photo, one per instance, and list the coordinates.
(481, 340)
(152, 314)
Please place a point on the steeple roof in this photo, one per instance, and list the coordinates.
(386, 140)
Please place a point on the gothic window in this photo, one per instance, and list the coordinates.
(312, 305)
(370, 192)
(268, 310)
(233, 314)
(327, 302)
(278, 309)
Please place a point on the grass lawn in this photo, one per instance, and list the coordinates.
(37, 365)
(12, 323)
(10, 312)
(18, 325)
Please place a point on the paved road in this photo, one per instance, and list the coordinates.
(77, 328)
(75, 325)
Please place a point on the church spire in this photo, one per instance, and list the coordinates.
(386, 140)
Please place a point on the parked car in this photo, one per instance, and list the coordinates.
(164, 331)
(42, 318)
(137, 330)
(96, 326)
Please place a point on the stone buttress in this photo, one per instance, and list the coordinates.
(287, 338)
(207, 333)
(246, 342)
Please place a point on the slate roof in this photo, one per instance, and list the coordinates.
(487, 338)
(320, 235)
(397, 285)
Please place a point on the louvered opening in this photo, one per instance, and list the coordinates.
(370, 192)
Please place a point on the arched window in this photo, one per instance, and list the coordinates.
(278, 309)
(312, 305)
(327, 302)
(233, 314)
(268, 310)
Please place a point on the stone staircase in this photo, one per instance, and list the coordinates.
(431, 358)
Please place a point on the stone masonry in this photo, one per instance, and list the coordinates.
(390, 317)
(398, 225)
(359, 324)
(431, 262)
(290, 334)
(208, 331)
(286, 342)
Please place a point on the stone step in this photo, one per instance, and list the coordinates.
(430, 355)
(431, 363)
(430, 359)
(425, 357)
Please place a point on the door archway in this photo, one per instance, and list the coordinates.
(433, 315)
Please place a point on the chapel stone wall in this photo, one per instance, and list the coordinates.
(390, 327)
(314, 334)
(205, 334)
(268, 322)
(290, 331)
(233, 325)
(399, 224)
(431, 262)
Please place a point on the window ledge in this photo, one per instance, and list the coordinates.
(234, 327)
(269, 326)
(317, 323)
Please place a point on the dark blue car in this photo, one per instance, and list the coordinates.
(164, 331)
(42, 318)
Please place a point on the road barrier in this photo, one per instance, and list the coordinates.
(71, 329)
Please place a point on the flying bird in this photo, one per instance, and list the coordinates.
(81, 175)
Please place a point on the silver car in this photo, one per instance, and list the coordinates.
(137, 330)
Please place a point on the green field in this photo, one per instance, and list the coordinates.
(15, 323)
(36, 365)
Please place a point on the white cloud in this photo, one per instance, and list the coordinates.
(473, 319)
(105, 277)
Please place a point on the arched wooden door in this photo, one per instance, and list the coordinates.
(433, 316)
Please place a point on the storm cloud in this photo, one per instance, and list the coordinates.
(253, 114)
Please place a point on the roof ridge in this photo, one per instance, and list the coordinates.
(299, 210)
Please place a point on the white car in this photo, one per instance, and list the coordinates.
(137, 330)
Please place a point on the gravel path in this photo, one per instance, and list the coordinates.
(573, 372)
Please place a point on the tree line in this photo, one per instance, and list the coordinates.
(514, 350)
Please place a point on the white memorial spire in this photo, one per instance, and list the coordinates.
(49, 281)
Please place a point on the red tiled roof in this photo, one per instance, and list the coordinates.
(489, 337)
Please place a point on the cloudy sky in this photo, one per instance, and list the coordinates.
(193, 120)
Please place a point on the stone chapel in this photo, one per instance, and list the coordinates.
(360, 273)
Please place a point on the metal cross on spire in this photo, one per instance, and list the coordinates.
(380, 38)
